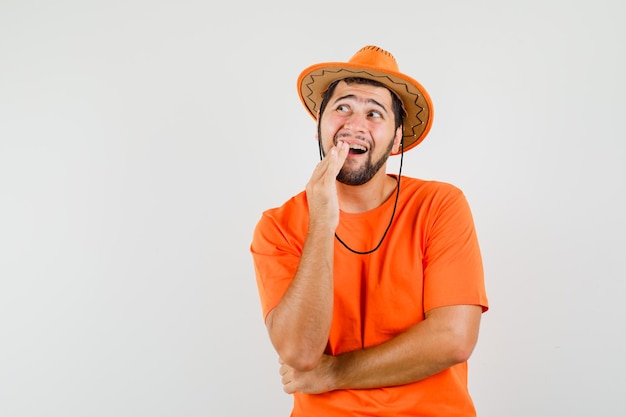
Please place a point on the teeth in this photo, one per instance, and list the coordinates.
(358, 147)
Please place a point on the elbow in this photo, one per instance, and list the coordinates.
(294, 350)
(461, 353)
(458, 328)
(300, 359)
(461, 348)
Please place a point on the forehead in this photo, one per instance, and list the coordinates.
(362, 93)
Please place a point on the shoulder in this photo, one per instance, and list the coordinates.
(432, 201)
(295, 206)
(429, 189)
(287, 220)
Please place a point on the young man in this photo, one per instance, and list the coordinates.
(371, 284)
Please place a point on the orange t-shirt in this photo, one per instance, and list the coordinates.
(430, 258)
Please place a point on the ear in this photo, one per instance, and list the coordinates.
(397, 140)
(317, 126)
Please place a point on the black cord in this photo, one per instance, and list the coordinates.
(393, 213)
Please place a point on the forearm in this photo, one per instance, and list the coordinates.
(423, 350)
(300, 324)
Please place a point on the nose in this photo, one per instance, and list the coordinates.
(355, 123)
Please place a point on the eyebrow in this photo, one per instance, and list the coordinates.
(354, 97)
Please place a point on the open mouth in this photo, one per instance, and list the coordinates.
(357, 149)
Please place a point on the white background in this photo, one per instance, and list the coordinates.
(141, 140)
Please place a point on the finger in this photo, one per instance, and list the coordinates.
(338, 159)
(343, 151)
(285, 380)
(327, 169)
(322, 167)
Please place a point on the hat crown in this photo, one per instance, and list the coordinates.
(373, 56)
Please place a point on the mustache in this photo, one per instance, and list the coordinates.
(340, 135)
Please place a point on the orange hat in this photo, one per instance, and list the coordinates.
(377, 64)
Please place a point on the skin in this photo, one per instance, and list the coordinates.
(299, 326)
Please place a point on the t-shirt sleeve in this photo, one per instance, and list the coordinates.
(453, 269)
(275, 259)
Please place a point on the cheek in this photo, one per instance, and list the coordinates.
(327, 131)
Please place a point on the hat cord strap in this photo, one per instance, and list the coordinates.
(395, 205)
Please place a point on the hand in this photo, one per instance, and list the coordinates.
(321, 190)
(316, 381)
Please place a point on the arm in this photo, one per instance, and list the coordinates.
(454, 290)
(299, 325)
(446, 337)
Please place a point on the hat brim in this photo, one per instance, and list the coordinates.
(313, 82)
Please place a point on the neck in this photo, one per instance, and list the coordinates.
(361, 198)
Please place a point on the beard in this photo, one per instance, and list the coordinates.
(366, 172)
(361, 175)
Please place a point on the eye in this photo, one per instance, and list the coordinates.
(375, 114)
(343, 108)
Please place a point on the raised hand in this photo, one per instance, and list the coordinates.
(321, 190)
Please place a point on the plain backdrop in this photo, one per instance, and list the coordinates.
(141, 140)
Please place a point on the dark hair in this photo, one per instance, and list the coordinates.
(397, 107)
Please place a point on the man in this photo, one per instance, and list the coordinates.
(371, 284)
